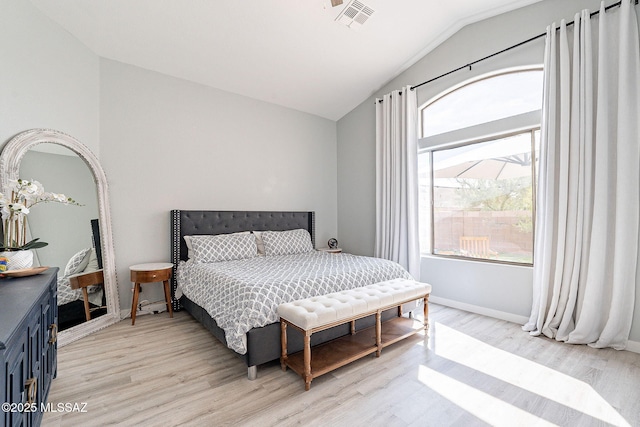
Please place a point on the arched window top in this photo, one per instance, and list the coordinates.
(483, 100)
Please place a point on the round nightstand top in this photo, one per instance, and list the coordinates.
(151, 266)
(331, 250)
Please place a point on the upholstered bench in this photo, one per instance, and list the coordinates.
(323, 312)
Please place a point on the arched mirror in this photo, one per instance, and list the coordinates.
(79, 237)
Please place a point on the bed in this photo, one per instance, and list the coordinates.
(249, 329)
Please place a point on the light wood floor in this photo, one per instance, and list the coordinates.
(471, 370)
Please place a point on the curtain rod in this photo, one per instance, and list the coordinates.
(470, 64)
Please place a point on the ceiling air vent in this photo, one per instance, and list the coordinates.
(355, 12)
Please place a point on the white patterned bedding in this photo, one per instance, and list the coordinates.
(67, 295)
(244, 294)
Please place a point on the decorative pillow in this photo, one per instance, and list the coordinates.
(92, 265)
(259, 242)
(223, 247)
(187, 240)
(286, 242)
(190, 253)
(78, 262)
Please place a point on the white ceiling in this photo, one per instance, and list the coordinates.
(287, 52)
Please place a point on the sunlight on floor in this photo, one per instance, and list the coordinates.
(512, 369)
(482, 405)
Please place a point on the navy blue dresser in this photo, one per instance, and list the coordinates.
(28, 348)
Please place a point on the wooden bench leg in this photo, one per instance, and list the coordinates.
(425, 321)
(283, 344)
(307, 360)
(378, 334)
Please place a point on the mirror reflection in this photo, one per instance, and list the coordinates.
(72, 232)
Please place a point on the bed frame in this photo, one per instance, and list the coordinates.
(263, 344)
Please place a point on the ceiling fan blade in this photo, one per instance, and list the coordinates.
(335, 3)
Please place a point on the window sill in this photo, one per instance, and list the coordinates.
(455, 258)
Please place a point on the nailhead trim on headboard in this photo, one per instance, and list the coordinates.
(175, 256)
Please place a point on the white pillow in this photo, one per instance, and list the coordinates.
(259, 242)
(78, 262)
(286, 242)
(222, 247)
(187, 240)
(92, 265)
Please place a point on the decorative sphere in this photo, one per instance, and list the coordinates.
(333, 243)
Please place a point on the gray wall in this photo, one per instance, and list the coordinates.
(48, 79)
(164, 143)
(170, 144)
(504, 291)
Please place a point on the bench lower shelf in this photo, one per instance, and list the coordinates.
(341, 351)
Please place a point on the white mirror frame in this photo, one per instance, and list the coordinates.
(10, 159)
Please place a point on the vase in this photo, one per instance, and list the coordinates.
(17, 260)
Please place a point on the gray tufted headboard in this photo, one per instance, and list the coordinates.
(189, 223)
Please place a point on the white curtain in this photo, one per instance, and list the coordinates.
(588, 204)
(397, 236)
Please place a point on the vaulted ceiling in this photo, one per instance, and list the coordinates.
(289, 52)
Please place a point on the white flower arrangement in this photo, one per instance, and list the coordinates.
(15, 204)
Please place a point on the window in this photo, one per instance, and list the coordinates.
(477, 168)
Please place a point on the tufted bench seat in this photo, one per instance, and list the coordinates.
(323, 312)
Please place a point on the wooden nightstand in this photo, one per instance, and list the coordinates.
(84, 280)
(330, 250)
(150, 273)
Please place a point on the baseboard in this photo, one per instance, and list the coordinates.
(152, 308)
(633, 346)
(497, 314)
